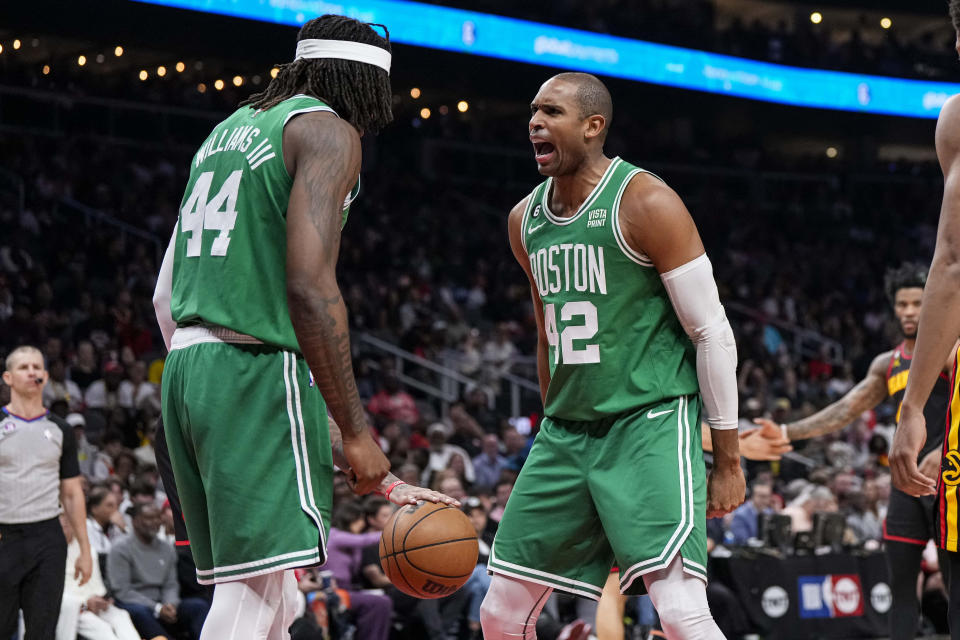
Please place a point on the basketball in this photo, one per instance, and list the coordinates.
(428, 550)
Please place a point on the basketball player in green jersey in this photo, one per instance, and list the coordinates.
(249, 304)
(632, 338)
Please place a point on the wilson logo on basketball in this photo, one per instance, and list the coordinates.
(436, 589)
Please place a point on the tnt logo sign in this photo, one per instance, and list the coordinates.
(832, 596)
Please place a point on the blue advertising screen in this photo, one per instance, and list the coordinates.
(483, 34)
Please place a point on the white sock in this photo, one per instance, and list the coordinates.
(245, 609)
(681, 602)
(511, 608)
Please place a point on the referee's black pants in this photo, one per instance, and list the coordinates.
(33, 561)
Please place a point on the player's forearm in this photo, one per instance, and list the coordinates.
(74, 505)
(726, 447)
(163, 293)
(319, 320)
(939, 324)
(827, 420)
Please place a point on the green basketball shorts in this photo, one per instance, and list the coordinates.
(250, 449)
(627, 491)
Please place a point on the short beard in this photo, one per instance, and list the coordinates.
(909, 336)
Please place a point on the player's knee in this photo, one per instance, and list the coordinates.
(489, 615)
(683, 622)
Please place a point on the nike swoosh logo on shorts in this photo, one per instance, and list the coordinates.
(651, 414)
(532, 229)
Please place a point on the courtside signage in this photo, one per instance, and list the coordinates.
(488, 35)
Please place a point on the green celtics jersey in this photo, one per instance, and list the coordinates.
(229, 265)
(615, 343)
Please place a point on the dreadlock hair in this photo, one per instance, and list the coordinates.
(357, 91)
(907, 276)
(955, 14)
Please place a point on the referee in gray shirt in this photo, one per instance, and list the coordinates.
(38, 473)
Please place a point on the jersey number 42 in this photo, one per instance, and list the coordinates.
(562, 341)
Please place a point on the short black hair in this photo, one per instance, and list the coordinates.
(346, 514)
(359, 92)
(96, 497)
(372, 505)
(909, 275)
(593, 97)
(142, 487)
(955, 14)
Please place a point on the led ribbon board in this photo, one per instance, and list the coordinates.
(493, 36)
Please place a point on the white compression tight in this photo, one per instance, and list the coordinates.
(511, 607)
(260, 608)
(681, 602)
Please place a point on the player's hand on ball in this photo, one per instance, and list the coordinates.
(404, 494)
(726, 488)
(368, 465)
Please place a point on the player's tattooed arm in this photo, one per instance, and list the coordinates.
(326, 162)
(866, 395)
(515, 229)
(322, 153)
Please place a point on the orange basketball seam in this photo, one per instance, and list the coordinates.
(424, 546)
(438, 575)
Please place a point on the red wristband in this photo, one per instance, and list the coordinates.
(386, 494)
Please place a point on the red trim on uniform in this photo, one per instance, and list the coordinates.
(903, 352)
(887, 536)
(944, 376)
(182, 543)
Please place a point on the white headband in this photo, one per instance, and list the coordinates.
(344, 50)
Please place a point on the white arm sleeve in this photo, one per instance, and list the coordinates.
(163, 293)
(696, 301)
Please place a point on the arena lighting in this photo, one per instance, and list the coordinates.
(274, 72)
(816, 17)
(886, 23)
(202, 88)
(16, 44)
(471, 32)
(425, 113)
(832, 152)
(46, 69)
(1, 48)
(462, 106)
(180, 67)
(415, 93)
(237, 81)
(161, 71)
(143, 74)
(118, 51)
(82, 60)
(218, 85)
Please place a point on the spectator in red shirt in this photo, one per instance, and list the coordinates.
(393, 403)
